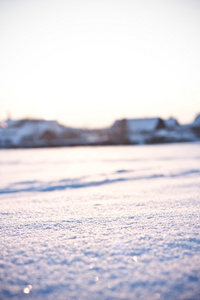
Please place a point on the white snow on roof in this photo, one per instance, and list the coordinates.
(140, 125)
(31, 127)
(171, 123)
(196, 122)
(17, 130)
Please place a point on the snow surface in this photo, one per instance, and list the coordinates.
(100, 223)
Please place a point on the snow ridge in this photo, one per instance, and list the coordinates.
(76, 183)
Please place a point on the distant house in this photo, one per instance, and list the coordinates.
(146, 125)
(29, 132)
(196, 122)
(171, 123)
(141, 131)
(196, 126)
(135, 131)
(48, 135)
(118, 132)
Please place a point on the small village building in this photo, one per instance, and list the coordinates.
(196, 122)
(141, 131)
(171, 123)
(144, 125)
(196, 126)
(135, 131)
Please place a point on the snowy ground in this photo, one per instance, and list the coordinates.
(100, 223)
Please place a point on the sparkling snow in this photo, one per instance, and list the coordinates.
(100, 223)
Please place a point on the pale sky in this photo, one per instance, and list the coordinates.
(88, 63)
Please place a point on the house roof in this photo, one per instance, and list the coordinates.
(171, 123)
(142, 125)
(196, 122)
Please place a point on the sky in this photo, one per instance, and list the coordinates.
(87, 63)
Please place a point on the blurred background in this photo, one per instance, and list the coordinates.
(89, 63)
